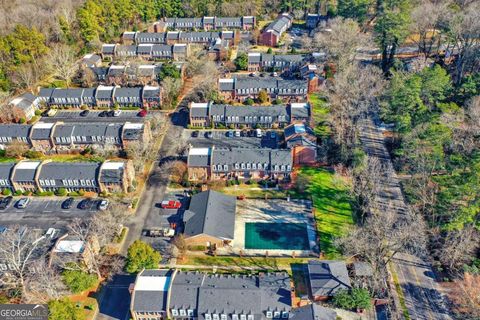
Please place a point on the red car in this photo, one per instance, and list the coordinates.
(171, 204)
(142, 113)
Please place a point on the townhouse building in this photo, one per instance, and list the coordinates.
(272, 34)
(22, 107)
(238, 163)
(258, 61)
(103, 96)
(219, 115)
(109, 176)
(303, 142)
(129, 40)
(59, 136)
(240, 88)
(132, 75)
(177, 52)
(175, 294)
(244, 23)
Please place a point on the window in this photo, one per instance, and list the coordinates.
(269, 314)
(223, 317)
(47, 182)
(225, 167)
(175, 313)
(285, 315)
(236, 166)
(183, 313)
(276, 314)
(234, 316)
(214, 168)
(215, 316)
(254, 166)
(243, 165)
(41, 182)
(190, 312)
(250, 317)
(243, 317)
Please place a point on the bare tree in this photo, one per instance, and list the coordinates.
(18, 249)
(171, 89)
(465, 293)
(457, 248)
(44, 283)
(342, 42)
(16, 150)
(62, 63)
(380, 238)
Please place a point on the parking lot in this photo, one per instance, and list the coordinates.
(93, 116)
(221, 140)
(44, 213)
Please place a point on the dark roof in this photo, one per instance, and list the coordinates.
(151, 300)
(41, 133)
(6, 169)
(300, 110)
(211, 213)
(109, 175)
(63, 130)
(313, 312)
(45, 93)
(278, 25)
(67, 93)
(108, 48)
(69, 170)
(326, 277)
(199, 157)
(128, 92)
(26, 173)
(297, 129)
(15, 130)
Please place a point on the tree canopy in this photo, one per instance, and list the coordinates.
(140, 256)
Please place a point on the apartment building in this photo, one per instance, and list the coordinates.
(313, 20)
(22, 107)
(179, 37)
(303, 142)
(244, 23)
(102, 96)
(258, 61)
(272, 34)
(241, 88)
(34, 176)
(175, 294)
(177, 52)
(59, 136)
(238, 163)
(221, 115)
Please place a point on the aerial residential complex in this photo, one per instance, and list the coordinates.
(146, 51)
(109, 176)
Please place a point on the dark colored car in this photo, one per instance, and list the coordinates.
(142, 113)
(85, 204)
(110, 113)
(5, 202)
(209, 134)
(102, 114)
(84, 113)
(67, 204)
(195, 134)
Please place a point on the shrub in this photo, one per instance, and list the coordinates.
(22, 120)
(64, 309)
(7, 192)
(73, 194)
(81, 192)
(356, 298)
(237, 182)
(197, 248)
(278, 101)
(130, 189)
(241, 61)
(38, 112)
(18, 193)
(32, 154)
(27, 193)
(61, 192)
(249, 101)
(269, 51)
(78, 281)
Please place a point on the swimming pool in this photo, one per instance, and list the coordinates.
(271, 236)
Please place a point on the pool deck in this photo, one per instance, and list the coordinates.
(275, 210)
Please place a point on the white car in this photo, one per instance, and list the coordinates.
(258, 133)
(117, 113)
(237, 133)
(103, 205)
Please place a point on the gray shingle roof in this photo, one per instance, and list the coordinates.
(24, 174)
(279, 25)
(67, 93)
(45, 93)
(326, 277)
(199, 159)
(111, 175)
(41, 133)
(211, 213)
(128, 92)
(151, 300)
(63, 130)
(59, 171)
(15, 130)
(6, 169)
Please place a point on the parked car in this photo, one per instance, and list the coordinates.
(110, 113)
(195, 133)
(103, 114)
(237, 133)
(171, 204)
(142, 113)
(209, 134)
(273, 135)
(84, 113)
(230, 134)
(85, 204)
(275, 74)
(22, 203)
(68, 203)
(117, 113)
(258, 133)
(5, 202)
(103, 204)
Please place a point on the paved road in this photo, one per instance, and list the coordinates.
(93, 116)
(43, 214)
(422, 294)
(149, 214)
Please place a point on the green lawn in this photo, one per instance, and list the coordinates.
(254, 192)
(320, 111)
(333, 211)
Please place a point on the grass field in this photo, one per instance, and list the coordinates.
(320, 111)
(254, 192)
(333, 211)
